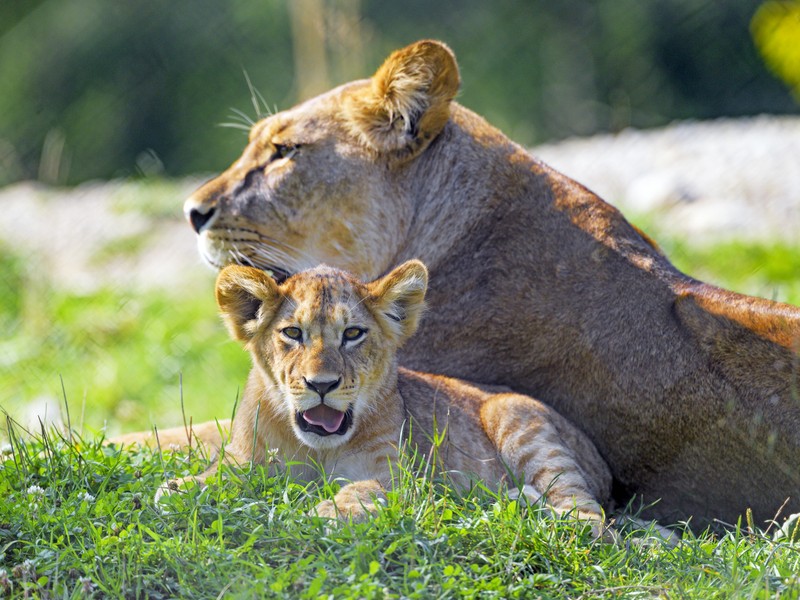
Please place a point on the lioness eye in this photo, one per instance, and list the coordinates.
(351, 334)
(293, 333)
(283, 151)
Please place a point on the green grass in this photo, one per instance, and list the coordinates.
(768, 271)
(78, 519)
(120, 354)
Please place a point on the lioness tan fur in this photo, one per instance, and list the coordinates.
(689, 391)
(325, 395)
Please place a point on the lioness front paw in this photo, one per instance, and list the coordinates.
(165, 489)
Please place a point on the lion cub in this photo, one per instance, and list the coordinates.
(325, 390)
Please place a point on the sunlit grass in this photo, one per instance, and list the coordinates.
(767, 268)
(78, 519)
(120, 354)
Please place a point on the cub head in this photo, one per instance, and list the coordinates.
(320, 182)
(324, 343)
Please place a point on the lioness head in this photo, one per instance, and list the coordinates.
(311, 184)
(323, 342)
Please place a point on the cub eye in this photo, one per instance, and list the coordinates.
(293, 333)
(351, 334)
(283, 151)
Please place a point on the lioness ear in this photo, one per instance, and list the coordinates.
(399, 298)
(408, 102)
(245, 294)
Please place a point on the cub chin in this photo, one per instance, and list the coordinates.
(325, 390)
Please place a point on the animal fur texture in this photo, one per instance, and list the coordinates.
(688, 391)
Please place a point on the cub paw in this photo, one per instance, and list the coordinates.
(325, 509)
(354, 502)
(643, 532)
(344, 511)
(173, 486)
(348, 507)
(530, 493)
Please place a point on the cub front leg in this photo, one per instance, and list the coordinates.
(354, 501)
(531, 439)
(369, 472)
(247, 444)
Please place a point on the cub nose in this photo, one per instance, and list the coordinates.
(322, 387)
(200, 217)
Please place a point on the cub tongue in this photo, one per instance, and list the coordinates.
(324, 416)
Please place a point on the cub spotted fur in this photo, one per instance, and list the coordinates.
(326, 391)
(689, 391)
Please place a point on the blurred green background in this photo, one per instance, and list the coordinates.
(99, 89)
(152, 91)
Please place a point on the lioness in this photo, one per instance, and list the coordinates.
(689, 391)
(325, 392)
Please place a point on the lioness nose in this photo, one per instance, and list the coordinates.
(199, 217)
(322, 387)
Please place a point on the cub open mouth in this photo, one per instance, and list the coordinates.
(324, 420)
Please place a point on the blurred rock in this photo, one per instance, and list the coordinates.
(790, 530)
(42, 411)
(119, 234)
(708, 181)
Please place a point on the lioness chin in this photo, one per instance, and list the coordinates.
(325, 395)
(689, 391)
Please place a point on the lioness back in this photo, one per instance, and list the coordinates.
(326, 397)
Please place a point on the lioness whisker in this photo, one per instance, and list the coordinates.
(265, 258)
(291, 302)
(271, 253)
(350, 309)
(290, 247)
(265, 251)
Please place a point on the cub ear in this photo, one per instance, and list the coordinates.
(399, 298)
(244, 295)
(408, 102)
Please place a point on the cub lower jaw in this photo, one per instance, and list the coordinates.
(307, 427)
